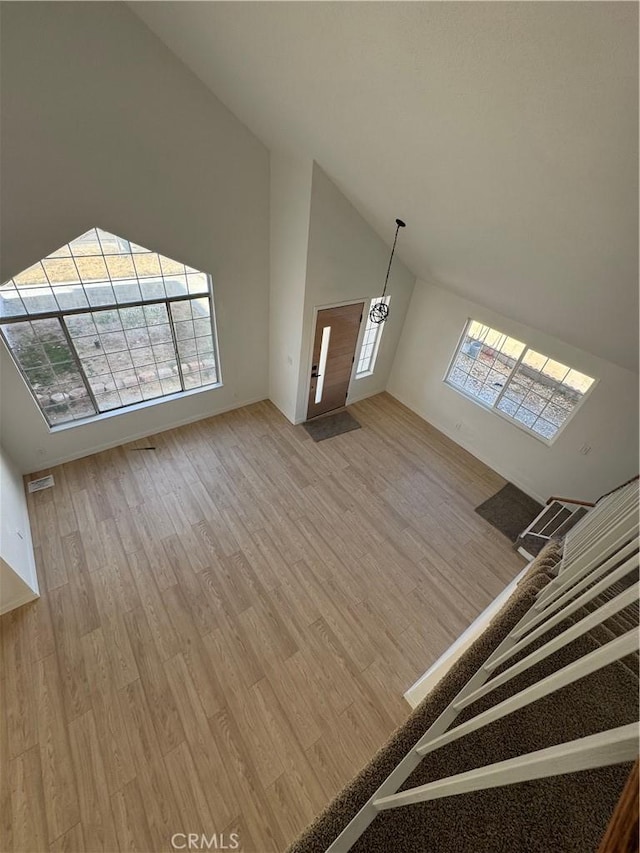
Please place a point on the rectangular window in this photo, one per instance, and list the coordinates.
(370, 342)
(537, 392)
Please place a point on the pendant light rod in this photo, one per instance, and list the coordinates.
(399, 224)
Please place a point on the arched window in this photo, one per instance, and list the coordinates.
(102, 324)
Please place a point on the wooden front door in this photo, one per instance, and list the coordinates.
(334, 348)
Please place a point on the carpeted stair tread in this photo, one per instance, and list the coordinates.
(619, 623)
(533, 545)
(547, 560)
(564, 813)
(601, 635)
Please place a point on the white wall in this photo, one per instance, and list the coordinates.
(347, 261)
(103, 125)
(607, 421)
(290, 205)
(18, 579)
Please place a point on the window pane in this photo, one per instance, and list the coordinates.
(170, 267)
(92, 268)
(71, 297)
(61, 271)
(113, 245)
(120, 266)
(41, 350)
(543, 393)
(11, 304)
(484, 362)
(371, 340)
(175, 285)
(86, 244)
(197, 282)
(100, 294)
(132, 317)
(34, 276)
(147, 265)
(127, 290)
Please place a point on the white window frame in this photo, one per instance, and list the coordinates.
(369, 370)
(61, 315)
(492, 407)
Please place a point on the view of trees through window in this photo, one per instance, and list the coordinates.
(102, 324)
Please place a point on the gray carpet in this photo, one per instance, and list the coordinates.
(510, 511)
(331, 425)
(563, 814)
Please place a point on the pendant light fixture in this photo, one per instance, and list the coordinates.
(380, 311)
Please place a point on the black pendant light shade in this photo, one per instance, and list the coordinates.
(380, 310)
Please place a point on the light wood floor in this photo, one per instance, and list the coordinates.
(227, 625)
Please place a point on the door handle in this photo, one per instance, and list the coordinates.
(315, 375)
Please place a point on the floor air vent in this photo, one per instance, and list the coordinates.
(42, 483)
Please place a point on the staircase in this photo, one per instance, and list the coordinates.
(527, 742)
(554, 521)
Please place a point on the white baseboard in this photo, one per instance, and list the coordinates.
(459, 440)
(98, 448)
(425, 684)
(18, 602)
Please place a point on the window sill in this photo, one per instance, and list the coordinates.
(522, 427)
(135, 407)
(364, 374)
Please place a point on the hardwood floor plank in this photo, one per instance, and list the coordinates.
(67, 632)
(227, 624)
(162, 814)
(162, 709)
(263, 833)
(71, 841)
(190, 799)
(6, 817)
(193, 652)
(110, 728)
(61, 802)
(98, 828)
(162, 630)
(18, 683)
(130, 819)
(28, 818)
(210, 768)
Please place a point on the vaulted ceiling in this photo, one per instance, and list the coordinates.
(506, 134)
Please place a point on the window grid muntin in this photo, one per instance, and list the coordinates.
(370, 341)
(173, 282)
(193, 379)
(193, 281)
(557, 389)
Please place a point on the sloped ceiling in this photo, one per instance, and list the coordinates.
(504, 133)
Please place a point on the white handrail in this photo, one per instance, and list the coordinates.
(597, 659)
(604, 612)
(600, 750)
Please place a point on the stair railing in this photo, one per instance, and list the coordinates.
(599, 551)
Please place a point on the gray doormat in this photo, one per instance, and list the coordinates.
(510, 511)
(331, 425)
